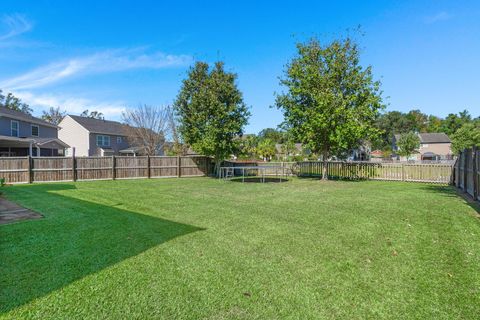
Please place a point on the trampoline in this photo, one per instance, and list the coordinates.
(261, 172)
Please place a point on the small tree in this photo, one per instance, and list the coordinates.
(175, 147)
(146, 127)
(289, 149)
(54, 115)
(408, 144)
(266, 149)
(466, 137)
(211, 111)
(332, 102)
(92, 114)
(248, 146)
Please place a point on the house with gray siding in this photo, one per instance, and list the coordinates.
(22, 134)
(95, 137)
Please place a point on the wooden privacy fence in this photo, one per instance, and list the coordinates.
(47, 169)
(414, 172)
(467, 172)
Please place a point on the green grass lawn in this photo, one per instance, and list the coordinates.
(198, 248)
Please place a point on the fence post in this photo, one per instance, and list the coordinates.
(148, 167)
(403, 171)
(74, 169)
(179, 166)
(113, 167)
(30, 169)
(465, 170)
(474, 171)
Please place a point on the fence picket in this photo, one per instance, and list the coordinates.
(434, 173)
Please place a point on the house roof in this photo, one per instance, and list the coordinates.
(434, 138)
(439, 137)
(278, 147)
(22, 116)
(376, 153)
(132, 150)
(101, 126)
(37, 142)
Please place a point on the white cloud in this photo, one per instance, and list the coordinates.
(73, 105)
(440, 16)
(15, 24)
(101, 62)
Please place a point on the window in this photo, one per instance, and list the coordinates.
(35, 130)
(14, 128)
(103, 141)
(119, 139)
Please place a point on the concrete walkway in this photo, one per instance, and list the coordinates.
(12, 212)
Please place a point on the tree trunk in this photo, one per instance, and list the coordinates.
(218, 163)
(324, 167)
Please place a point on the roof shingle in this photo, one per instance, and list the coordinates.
(22, 116)
(439, 137)
(101, 126)
(434, 138)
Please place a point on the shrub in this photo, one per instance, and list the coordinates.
(2, 183)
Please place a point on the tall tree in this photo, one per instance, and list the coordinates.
(11, 102)
(418, 121)
(272, 134)
(146, 128)
(92, 114)
(466, 137)
(434, 124)
(453, 122)
(408, 144)
(54, 115)
(211, 111)
(391, 123)
(332, 102)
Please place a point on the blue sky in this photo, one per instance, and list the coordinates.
(108, 55)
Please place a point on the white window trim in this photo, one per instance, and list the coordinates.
(38, 130)
(11, 128)
(103, 141)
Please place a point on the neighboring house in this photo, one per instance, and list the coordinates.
(433, 146)
(377, 156)
(362, 152)
(281, 152)
(22, 134)
(96, 137)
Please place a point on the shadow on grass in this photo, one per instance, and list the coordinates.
(258, 180)
(77, 238)
(331, 178)
(452, 192)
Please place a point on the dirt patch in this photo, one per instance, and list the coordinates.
(11, 212)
